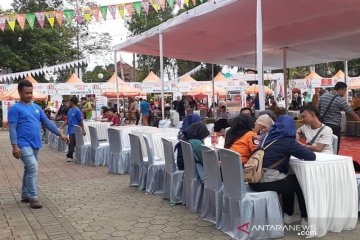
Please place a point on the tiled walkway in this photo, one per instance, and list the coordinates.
(82, 202)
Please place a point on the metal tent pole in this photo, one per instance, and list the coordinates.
(117, 82)
(259, 55)
(285, 79)
(346, 78)
(162, 75)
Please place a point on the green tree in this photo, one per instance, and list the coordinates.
(92, 76)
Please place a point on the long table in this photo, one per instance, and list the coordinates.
(101, 128)
(330, 191)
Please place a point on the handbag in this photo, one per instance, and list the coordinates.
(327, 109)
(316, 135)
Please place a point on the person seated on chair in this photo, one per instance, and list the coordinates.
(263, 124)
(222, 112)
(105, 114)
(280, 144)
(190, 119)
(319, 137)
(247, 111)
(195, 135)
(241, 138)
(220, 125)
(115, 118)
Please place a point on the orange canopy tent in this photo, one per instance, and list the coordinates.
(125, 90)
(254, 89)
(219, 77)
(187, 78)
(31, 79)
(152, 77)
(14, 95)
(73, 79)
(206, 90)
(113, 79)
(355, 83)
(313, 75)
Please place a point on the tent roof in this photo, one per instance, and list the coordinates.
(339, 75)
(152, 77)
(219, 77)
(113, 79)
(312, 31)
(14, 95)
(31, 79)
(207, 90)
(313, 75)
(187, 78)
(253, 89)
(73, 79)
(125, 90)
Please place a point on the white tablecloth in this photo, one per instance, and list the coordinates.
(101, 128)
(124, 133)
(330, 192)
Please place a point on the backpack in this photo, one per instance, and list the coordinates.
(253, 168)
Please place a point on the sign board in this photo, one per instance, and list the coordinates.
(5, 109)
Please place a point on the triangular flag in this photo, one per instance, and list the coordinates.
(121, 10)
(11, 19)
(78, 16)
(137, 7)
(112, 10)
(171, 3)
(59, 15)
(155, 4)
(129, 8)
(51, 17)
(186, 2)
(163, 5)
(145, 4)
(87, 13)
(30, 17)
(40, 16)
(2, 23)
(95, 12)
(69, 16)
(201, 1)
(21, 20)
(103, 10)
(194, 2)
(180, 4)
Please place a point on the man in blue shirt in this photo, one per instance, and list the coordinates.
(74, 117)
(25, 120)
(144, 109)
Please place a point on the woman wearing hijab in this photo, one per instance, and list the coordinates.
(263, 124)
(195, 135)
(241, 138)
(276, 166)
(190, 119)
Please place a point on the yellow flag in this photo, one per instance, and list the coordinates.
(121, 9)
(11, 19)
(87, 13)
(50, 17)
(186, 2)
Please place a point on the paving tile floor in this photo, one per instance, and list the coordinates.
(83, 202)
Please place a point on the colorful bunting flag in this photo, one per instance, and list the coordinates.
(145, 4)
(163, 5)
(40, 16)
(194, 2)
(11, 20)
(121, 9)
(2, 23)
(137, 7)
(95, 12)
(187, 2)
(129, 8)
(155, 4)
(50, 17)
(112, 10)
(87, 14)
(69, 16)
(171, 3)
(59, 15)
(103, 10)
(21, 20)
(30, 17)
(180, 4)
(78, 16)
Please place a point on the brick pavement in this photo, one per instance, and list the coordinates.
(83, 202)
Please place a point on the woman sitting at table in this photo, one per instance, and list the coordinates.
(220, 125)
(105, 114)
(195, 135)
(282, 135)
(241, 138)
(263, 124)
(115, 118)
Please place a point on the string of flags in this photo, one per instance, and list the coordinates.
(87, 13)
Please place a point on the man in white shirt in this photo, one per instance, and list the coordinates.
(319, 137)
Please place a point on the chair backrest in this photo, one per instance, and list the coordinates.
(189, 160)
(114, 140)
(170, 166)
(166, 123)
(210, 127)
(136, 153)
(123, 122)
(79, 138)
(335, 144)
(212, 168)
(226, 130)
(149, 150)
(232, 172)
(94, 140)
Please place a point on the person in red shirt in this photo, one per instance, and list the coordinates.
(115, 118)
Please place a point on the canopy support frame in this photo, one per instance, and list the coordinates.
(162, 74)
(285, 72)
(346, 79)
(259, 54)
(117, 83)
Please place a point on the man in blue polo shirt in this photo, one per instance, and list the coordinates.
(25, 120)
(74, 117)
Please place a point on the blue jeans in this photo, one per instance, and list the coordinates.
(29, 185)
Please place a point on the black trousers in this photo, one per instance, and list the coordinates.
(287, 187)
(137, 117)
(336, 131)
(72, 145)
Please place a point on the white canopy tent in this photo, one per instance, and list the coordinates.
(290, 33)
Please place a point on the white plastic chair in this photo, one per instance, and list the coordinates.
(82, 148)
(241, 205)
(99, 151)
(335, 144)
(173, 178)
(119, 159)
(166, 123)
(210, 127)
(139, 165)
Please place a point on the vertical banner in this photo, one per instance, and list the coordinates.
(162, 4)
(40, 16)
(30, 17)
(50, 17)
(112, 10)
(59, 15)
(103, 11)
(129, 8)
(5, 109)
(121, 9)
(2, 23)
(87, 14)
(95, 12)
(11, 19)
(69, 16)
(137, 7)
(145, 4)
(21, 20)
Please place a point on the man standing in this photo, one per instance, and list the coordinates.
(87, 109)
(135, 108)
(24, 126)
(330, 106)
(144, 109)
(181, 108)
(63, 110)
(74, 117)
(175, 103)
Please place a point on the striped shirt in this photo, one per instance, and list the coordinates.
(333, 116)
(324, 137)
